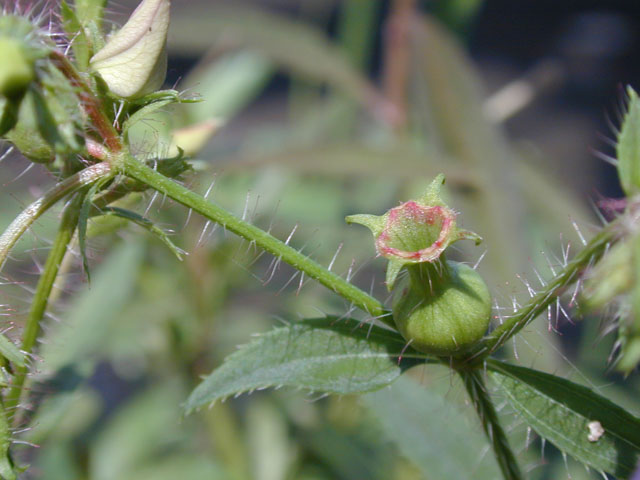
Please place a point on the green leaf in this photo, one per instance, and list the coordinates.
(9, 351)
(185, 465)
(311, 54)
(90, 319)
(90, 11)
(328, 354)
(147, 225)
(83, 217)
(75, 32)
(561, 412)
(628, 148)
(144, 430)
(227, 85)
(428, 429)
(154, 102)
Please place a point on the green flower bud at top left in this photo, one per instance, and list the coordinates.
(20, 47)
(134, 60)
(16, 68)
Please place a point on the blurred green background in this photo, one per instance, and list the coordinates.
(329, 108)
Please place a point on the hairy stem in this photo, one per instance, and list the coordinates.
(40, 301)
(89, 102)
(29, 215)
(513, 324)
(476, 388)
(282, 251)
(6, 467)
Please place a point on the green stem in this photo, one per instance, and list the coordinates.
(199, 204)
(29, 215)
(7, 471)
(65, 233)
(556, 287)
(476, 388)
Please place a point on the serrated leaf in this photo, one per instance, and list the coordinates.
(565, 414)
(628, 148)
(331, 355)
(427, 429)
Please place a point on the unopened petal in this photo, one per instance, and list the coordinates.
(133, 62)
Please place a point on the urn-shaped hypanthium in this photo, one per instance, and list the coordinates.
(442, 307)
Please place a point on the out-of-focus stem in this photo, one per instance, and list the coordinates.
(397, 55)
(29, 215)
(66, 230)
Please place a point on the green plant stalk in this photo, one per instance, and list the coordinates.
(475, 385)
(29, 215)
(6, 468)
(40, 300)
(592, 252)
(356, 22)
(279, 249)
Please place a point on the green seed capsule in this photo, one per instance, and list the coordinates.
(444, 309)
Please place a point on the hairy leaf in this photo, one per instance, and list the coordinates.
(328, 354)
(628, 148)
(570, 415)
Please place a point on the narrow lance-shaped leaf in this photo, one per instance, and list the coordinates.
(329, 354)
(628, 148)
(300, 48)
(574, 418)
(427, 428)
(90, 10)
(75, 30)
(9, 351)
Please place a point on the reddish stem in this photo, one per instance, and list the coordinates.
(397, 54)
(91, 105)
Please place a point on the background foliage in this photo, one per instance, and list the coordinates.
(325, 114)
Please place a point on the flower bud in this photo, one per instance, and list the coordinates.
(444, 307)
(134, 60)
(16, 69)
